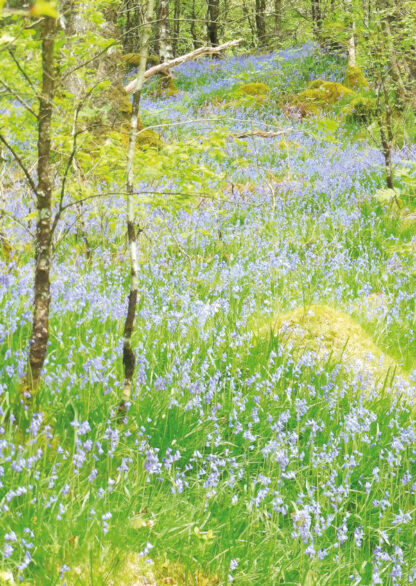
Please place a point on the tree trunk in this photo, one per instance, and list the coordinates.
(176, 26)
(165, 45)
(75, 26)
(261, 21)
(131, 29)
(248, 15)
(212, 21)
(351, 45)
(317, 19)
(195, 40)
(40, 327)
(277, 18)
(129, 360)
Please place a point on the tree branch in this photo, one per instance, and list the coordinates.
(18, 98)
(75, 135)
(261, 133)
(71, 71)
(22, 71)
(132, 87)
(20, 163)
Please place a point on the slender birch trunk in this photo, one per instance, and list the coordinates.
(165, 45)
(352, 52)
(129, 360)
(40, 326)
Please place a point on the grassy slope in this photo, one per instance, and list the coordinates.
(240, 458)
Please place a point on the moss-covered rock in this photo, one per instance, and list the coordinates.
(113, 119)
(361, 109)
(254, 89)
(354, 78)
(320, 95)
(330, 332)
(166, 86)
(324, 92)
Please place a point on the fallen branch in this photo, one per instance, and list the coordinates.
(132, 87)
(261, 133)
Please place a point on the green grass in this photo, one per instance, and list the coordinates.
(278, 447)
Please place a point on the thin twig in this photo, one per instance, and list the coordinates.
(18, 98)
(4, 212)
(96, 56)
(22, 71)
(19, 162)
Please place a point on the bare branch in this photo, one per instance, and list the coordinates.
(75, 135)
(132, 87)
(261, 133)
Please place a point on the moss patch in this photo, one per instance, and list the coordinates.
(131, 60)
(355, 79)
(320, 95)
(361, 109)
(330, 332)
(326, 92)
(254, 89)
(166, 86)
(247, 95)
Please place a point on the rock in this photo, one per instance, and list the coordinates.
(361, 109)
(319, 96)
(255, 89)
(354, 78)
(330, 332)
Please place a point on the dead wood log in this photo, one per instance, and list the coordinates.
(261, 133)
(132, 87)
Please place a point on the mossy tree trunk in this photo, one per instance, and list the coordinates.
(317, 19)
(42, 296)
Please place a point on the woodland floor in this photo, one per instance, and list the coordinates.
(256, 448)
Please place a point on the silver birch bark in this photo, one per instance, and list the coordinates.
(128, 353)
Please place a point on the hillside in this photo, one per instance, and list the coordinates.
(254, 447)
